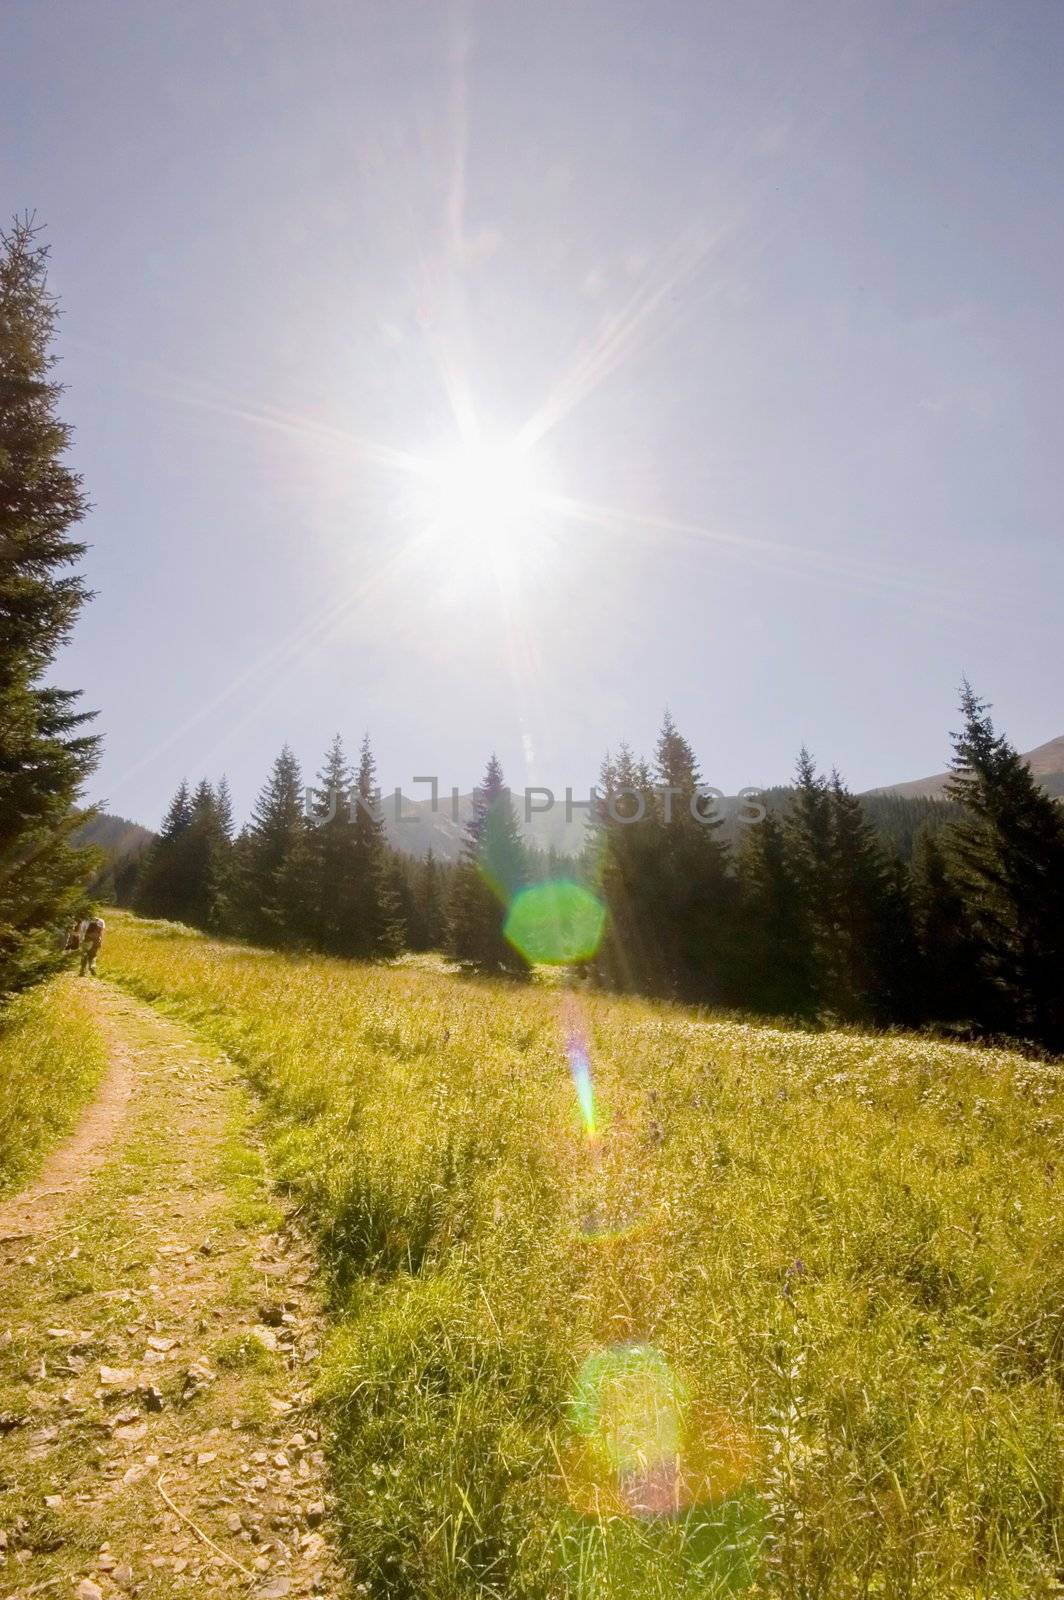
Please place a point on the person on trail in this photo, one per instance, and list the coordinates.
(91, 940)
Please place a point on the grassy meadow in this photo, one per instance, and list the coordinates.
(52, 1056)
(778, 1313)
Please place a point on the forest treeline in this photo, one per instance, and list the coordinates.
(812, 913)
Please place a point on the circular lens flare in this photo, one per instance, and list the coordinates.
(556, 923)
(643, 1446)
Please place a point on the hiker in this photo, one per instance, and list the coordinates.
(91, 940)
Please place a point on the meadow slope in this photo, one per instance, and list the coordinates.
(780, 1312)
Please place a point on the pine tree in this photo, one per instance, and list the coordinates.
(186, 870)
(624, 848)
(1008, 856)
(45, 754)
(430, 899)
(775, 972)
(951, 986)
(271, 893)
(874, 944)
(695, 897)
(378, 927)
(223, 804)
(179, 814)
(494, 867)
(206, 853)
(223, 912)
(333, 862)
(808, 835)
(161, 887)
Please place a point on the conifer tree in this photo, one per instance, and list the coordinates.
(333, 861)
(185, 872)
(874, 947)
(205, 861)
(494, 867)
(694, 895)
(808, 835)
(401, 878)
(951, 984)
(223, 804)
(45, 753)
(624, 846)
(161, 882)
(775, 973)
(430, 902)
(223, 911)
(179, 814)
(270, 892)
(377, 918)
(1008, 856)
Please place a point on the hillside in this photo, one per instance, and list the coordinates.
(117, 837)
(1046, 761)
(123, 843)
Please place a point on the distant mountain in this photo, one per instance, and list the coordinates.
(116, 836)
(123, 843)
(1046, 762)
(444, 830)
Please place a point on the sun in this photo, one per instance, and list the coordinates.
(485, 493)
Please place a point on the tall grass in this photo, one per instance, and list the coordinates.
(51, 1058)
(793, 1322)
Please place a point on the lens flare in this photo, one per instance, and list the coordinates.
(627, 1411)
(556, 923)
(642, 1453)
(578, 1055)
(580, 1067)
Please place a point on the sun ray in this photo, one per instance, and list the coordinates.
(796, 560)
(623, 336)
(312, 632)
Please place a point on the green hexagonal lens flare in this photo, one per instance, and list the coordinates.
(556, 923)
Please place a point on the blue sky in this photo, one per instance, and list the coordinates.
(784, 281)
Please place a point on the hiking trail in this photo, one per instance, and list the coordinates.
(159, 1328)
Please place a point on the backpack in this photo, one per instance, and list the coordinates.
(94, 931)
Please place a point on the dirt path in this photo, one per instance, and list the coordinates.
(158, 1333)
(72, 1161)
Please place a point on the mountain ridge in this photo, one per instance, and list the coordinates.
(1046, 761)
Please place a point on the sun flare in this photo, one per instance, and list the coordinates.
(485, 492)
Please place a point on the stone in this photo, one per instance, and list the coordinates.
(120, 1380)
